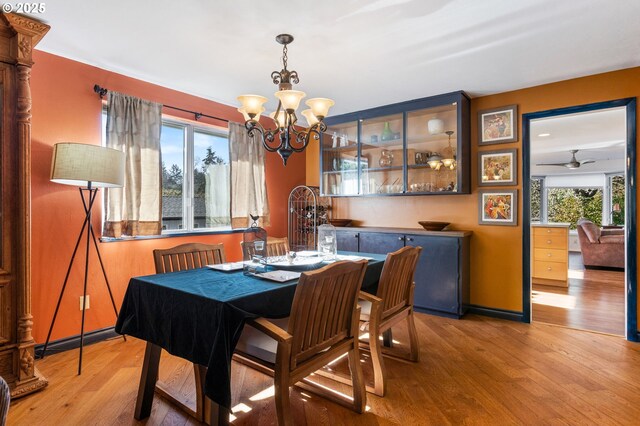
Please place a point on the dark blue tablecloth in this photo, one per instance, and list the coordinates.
(199, 314)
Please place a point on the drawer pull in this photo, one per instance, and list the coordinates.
(410, 239)
(400, 238)
(548, 241)
(548, 268)
(548, 254)
(548, 231)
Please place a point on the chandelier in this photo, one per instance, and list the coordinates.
(290, 137)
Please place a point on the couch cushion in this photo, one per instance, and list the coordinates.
(612, 239)
(591, 230)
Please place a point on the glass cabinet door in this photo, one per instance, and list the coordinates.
(382, 155)
(340, 159)
(432, 157)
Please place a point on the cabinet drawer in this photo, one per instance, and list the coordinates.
(550, 270)
(550, 255)
(537, 231)
(550, 241)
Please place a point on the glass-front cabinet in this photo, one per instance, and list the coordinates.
(412, 148)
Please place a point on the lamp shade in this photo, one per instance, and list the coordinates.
(247, 117)
(290, 99)
(281, 120)
(252, 104)
(320, 106)
(78, 164)
(311, 119)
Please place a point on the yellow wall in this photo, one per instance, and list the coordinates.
(496, 251)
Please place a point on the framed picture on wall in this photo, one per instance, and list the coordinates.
(498, 125)
(498, 207)
(498, 167)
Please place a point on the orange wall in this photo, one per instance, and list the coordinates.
(65, 108)
(496, 263)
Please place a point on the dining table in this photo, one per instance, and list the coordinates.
(199, 315)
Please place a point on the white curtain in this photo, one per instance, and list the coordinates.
(217, 195)
(248, 179)
(133, 126)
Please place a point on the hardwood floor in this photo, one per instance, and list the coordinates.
(477, 370)
(593, 301)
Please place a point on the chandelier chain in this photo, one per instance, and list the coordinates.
(284, 56)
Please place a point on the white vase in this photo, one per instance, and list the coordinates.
(435, 126)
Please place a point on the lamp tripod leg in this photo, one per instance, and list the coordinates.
(64, 286)
(86, 273)
(104, 273)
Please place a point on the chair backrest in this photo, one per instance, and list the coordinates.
(187, 256)
(394, 287)
(322, 313)
(275, 247)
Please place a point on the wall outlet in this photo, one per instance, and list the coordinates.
(88, 304)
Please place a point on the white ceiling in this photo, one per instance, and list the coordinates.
(361, 53)
(598, 135)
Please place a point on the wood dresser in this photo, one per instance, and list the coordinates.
(550, 252)
(18, 36)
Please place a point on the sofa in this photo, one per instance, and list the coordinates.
(600, 247)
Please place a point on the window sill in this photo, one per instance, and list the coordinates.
(171, 235)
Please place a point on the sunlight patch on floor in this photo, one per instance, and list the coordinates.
(577, 274)
(564, 301)
(264, 394)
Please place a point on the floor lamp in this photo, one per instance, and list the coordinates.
(90, 167)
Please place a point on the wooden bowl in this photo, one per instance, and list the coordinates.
(434, 226)
(340, 222)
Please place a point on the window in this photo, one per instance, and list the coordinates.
(195, 176)
(616, 184)
(538, 202)
(570, 204)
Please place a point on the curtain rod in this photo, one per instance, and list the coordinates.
(102, 92)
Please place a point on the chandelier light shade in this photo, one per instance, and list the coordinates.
(290, 137)
(87, 165)
(449, 159)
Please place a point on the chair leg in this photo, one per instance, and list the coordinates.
(379, 374)
(359, 392)
(283, 403)
(199, 372)
(413, 339)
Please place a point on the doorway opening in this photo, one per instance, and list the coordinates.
(579, 217)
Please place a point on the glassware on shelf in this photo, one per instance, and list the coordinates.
(386, 158)
(387, 134)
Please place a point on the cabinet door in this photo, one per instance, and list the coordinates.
(339, 160)
(438, 274)
(380, 243)
(347, 241)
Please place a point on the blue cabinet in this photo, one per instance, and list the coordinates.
(442, 274)
(417, 147)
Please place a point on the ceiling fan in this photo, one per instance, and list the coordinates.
(572, 164)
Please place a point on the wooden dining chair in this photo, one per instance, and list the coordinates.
(275, 247)
(187, 256)
(181, 258)
(323, 325)
(392, 303)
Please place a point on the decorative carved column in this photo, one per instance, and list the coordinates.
(23, 34)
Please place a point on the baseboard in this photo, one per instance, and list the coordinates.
(73, 342)
(496, 313)
(436, 313)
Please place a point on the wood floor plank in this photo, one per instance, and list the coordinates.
(594, 300)
(476, 371)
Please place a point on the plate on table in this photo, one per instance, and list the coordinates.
(227, 267)
(298, 264)
(308, 253)
(279, 276)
